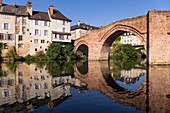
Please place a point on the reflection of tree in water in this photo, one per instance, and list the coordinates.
(82, 67)
(59, 68)
(117, 66)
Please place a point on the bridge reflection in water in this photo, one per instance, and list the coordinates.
(30, 86)
(152, 95)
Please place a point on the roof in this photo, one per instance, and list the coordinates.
(38, 15)
(14, 9)
(58, 15)
(83, 26)
(61, 33)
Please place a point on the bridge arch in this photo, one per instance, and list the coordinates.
(110, 36)
(82, 48)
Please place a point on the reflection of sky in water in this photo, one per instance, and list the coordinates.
(132, 87)
(88, 102)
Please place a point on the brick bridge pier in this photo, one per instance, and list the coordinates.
(152, 29)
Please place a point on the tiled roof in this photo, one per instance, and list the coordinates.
(14, 9)
(38, 15)
(58, 15)
(83, 26)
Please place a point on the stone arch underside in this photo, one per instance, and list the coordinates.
(82, 48)
(110, 36)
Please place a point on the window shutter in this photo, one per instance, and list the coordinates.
(2, 25)
(9, 27)
(33, 22)
(48, 24)
(39, 32)
(33, 32)
(39, 23)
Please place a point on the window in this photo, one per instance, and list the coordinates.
(6, 26)
(5, 46)
(55, 35)
(35, 49)
(45, 23)
(23, 30)
(23, 21)
(64, 29)
(64, 22)
(45, 49)
(19, 38)
(67, 37)
(36, 22)
(20, 46)
(1, 36)
(61, 37)
(36, 32)
(35, 40)
(6, 93)
(42, 41)
(9, 37)
(45, 32)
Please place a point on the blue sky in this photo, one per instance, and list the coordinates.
(97, 12)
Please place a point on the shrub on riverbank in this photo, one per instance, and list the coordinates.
(56, 51)
(124, 52)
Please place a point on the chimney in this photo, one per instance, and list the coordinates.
(0, 2)
(51, 9)
(78, 23)
(29, 7)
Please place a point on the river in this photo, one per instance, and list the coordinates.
(84, 87)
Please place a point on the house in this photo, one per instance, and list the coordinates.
(81, 29)
(129, 38)
(28, 31)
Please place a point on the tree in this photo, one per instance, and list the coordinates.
(60, 51)
(125, 52)
(55, 51)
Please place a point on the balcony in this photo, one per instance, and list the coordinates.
(6, 37)
(61, 37)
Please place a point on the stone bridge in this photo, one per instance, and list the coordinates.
(151, 96)
(152, 29)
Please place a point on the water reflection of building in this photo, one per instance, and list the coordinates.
(29, 83)
(7, 86)
(131, 76)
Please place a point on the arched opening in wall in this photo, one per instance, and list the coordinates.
(123, 45)
(82, 51)
(125, 51)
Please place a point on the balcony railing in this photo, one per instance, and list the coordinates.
(6, 36)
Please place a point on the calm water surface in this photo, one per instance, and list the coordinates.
(84, 87)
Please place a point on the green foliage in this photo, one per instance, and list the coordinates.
(12, 54)
(60, 68)
(12, 66)
(30, 59)
(124, 52)
(59, 51)
(40, 54)
(118, 65)
(54, 51)
(39, 57)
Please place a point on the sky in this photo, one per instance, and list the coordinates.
(97, 12)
